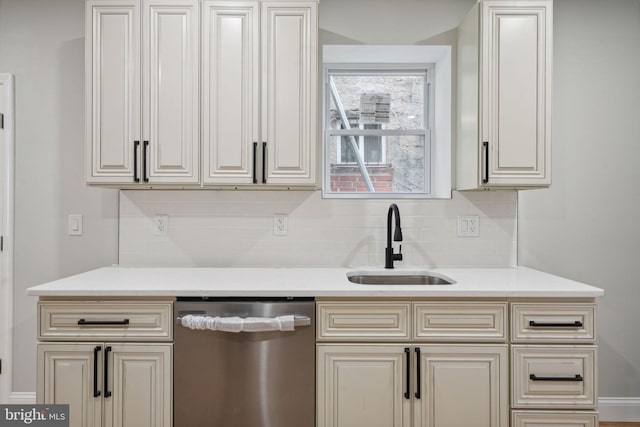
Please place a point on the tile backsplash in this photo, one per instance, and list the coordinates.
(235, 228)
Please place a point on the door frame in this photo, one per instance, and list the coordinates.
(6, 231)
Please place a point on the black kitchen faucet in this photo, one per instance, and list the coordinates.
(397, 236)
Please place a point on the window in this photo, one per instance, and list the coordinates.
(378, 139)
(371, 148)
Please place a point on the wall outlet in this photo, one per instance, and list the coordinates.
(468, 226)
(280, 225)
(160, 225)
(74, 227)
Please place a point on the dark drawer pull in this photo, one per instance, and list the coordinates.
(407, 393)
(576, 324)
(577, 378)
(103, 322)
(96, 392)
(107, 350)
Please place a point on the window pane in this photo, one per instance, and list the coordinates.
(403, 171)
(395, 100)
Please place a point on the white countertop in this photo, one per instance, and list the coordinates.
(118, 281)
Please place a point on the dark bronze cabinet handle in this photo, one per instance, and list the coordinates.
(485, 149)
(96, 392)
(136, 146)
(264, 162)
(418, 393)
(576, 378)
(107, 393)
(255, 150)
(576, 324)
(407, 393)
(145, 176)
(103, 322)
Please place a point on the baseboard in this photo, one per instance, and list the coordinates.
(22, 398)
(621, 409)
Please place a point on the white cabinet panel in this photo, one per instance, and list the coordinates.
(142, 82)
(66, 376)
(554, 377)
(112, 57)
(362, 385)
(463, 385)
(516, 91)
(504, 96)
(230, 91)
(363, 321)
(170, 89)
(141, 386)
(289, 46)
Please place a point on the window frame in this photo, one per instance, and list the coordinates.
(426, 69)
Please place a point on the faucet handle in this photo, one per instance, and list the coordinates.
(398, 256)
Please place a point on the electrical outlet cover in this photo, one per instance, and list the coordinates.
(468, 226)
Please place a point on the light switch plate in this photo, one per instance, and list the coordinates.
(74, 227)
(468, 226)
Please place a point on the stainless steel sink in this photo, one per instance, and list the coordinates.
(398, 279)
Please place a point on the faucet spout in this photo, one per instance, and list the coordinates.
(390, 256)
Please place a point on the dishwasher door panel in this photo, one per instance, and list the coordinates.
(246, 379)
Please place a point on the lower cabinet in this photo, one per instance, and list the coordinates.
(107, 384)
(412, 385)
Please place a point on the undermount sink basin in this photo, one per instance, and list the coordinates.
(380, 278)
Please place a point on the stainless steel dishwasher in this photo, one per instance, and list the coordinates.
(244, 379)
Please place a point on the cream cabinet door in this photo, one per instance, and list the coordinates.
(516, 73)
(112, 79)
(289, 98)
(139, 392)
(462, 385)
(71, 374)
(170, 82)
(231, 48)
(363, 385)
(142, 89)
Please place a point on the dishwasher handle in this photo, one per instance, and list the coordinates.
(202, 321)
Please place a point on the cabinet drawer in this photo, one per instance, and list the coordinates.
(97, 320)
(355, 321)
(553, 377)
(552, 322)
(553, 419)
(456, 321)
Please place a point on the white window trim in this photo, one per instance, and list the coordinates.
(347, 56)
(383, 147)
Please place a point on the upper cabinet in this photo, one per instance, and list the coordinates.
(142, 88)
(504, 95)
(146, 74)
(259, 92)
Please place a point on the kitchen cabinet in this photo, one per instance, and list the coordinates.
(142, 92)
(363, 385)
(380, 383)
(108, 384)
(504, 95)
(259, 92)
(110, 361)
(553, 363)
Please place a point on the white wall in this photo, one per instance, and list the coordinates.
(586, 226)
(42, 44)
